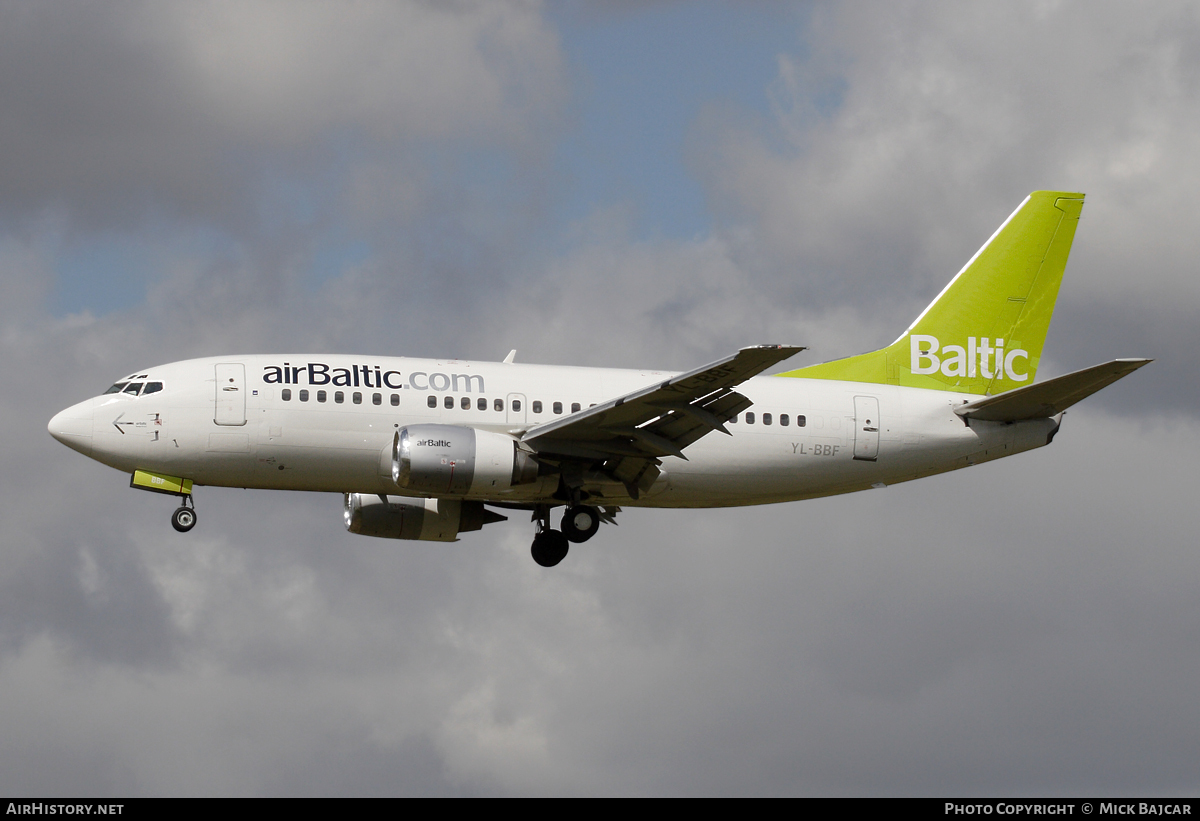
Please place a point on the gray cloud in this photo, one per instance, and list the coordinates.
(118, 110)
(943, 120)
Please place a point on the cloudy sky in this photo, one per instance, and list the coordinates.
(619, 184)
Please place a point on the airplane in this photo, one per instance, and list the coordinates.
(427, 449)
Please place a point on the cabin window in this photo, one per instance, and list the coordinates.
(481, 403)
(766, 418)
(575, 406)
(321, 396)
(116, 388)
(558, 407)
(339, 397)
(448, 403)
(800, 421)
(733, 419)
(784, 419)
(286, 394)
(152, 387)
(537, 406)
(356, 398)
(465, 403)
(431, 401)
(498, 405)
(303, 395)
(377, 399)
(749, 417)
(516, 405)
(395, 400)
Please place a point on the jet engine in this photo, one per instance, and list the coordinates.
(399, 517)
(458, 461)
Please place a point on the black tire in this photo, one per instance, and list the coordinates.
(580, 523)
(183, 519)
(549, 548)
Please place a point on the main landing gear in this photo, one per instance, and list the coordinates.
(579, 523)
(549, 547)
(184, 517)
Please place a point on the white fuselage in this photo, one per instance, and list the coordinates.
(241, 431)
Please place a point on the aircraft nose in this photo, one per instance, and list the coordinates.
(73, 427)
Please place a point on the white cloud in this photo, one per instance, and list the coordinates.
(285, 70)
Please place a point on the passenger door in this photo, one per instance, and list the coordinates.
(231, 394)
(866, 428)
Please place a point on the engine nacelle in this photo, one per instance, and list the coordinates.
(398, 517)
(457, 461)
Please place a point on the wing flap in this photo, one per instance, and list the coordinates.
(1051, 397)
(684, 424)
(661, 419)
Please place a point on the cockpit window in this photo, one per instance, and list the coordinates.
(134, 388)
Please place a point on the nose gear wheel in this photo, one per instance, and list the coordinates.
(183, 519)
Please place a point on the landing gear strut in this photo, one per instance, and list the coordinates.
(184, 517)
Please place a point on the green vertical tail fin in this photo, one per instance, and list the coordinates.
(984, 332)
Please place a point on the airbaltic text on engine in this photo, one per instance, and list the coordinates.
(370, 376)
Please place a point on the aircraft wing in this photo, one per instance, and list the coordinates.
(1051, 397)
(630, 433)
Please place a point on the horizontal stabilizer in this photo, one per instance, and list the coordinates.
(1051, 397)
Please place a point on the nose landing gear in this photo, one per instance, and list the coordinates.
(184, 517)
